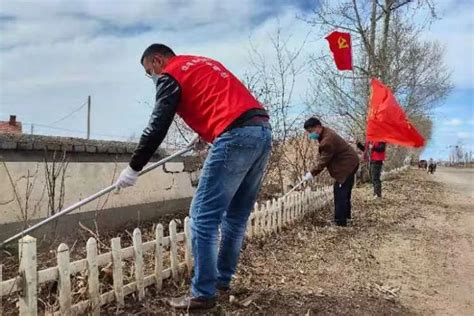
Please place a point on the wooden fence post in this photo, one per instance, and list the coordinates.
(262, 219)
(268, 212)
(275, 216)
(174, 251)
(305, 203)
(283, 213)
(93, 276)
(291, 210)
(254, 222)
(188, 255)
(272, 215)
(117, 271)
(159, 256)
(64, 274)
(280, 214)
(138, 249)
(263, 223)
(300, 205)
(288, 209)
(1, 306)
(257, 220)
(28, 300)
(250, 226)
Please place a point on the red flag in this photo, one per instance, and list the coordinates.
(387, 121)
(341, 47)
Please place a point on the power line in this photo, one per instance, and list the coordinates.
(75, 131)
(71, 113)
(57, 128)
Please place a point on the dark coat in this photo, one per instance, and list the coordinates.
(336, 155)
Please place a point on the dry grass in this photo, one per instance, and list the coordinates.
(316, 268)
(312, 268)
(48, 292)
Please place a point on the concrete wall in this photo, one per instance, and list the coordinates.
(25, 198)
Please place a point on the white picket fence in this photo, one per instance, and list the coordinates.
(267, 218)
(387, 175)
(270, 217)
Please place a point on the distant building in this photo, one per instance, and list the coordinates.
(11, 127)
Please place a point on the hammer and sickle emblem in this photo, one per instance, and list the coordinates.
(341, 41)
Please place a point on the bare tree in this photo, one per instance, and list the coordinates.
(387, 45)
(23, 197)
(55, 175)
(273, 80)
(179, 133)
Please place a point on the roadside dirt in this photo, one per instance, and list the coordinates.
(411, 253)
(408, 254)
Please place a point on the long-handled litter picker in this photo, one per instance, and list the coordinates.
(294, 188)
(95, 196)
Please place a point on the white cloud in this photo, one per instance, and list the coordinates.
(59, 53)
(464, 135)
(454, 122)
(455, 30)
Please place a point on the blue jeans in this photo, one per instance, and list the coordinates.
(227, 190)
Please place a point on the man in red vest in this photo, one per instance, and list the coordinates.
(374, 153)
(217, 106)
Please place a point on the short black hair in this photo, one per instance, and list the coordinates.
(312, 122)
(157, 49)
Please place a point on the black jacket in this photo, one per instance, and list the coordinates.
(168, 94)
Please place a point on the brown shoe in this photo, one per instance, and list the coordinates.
(187, 302)
(223, 293)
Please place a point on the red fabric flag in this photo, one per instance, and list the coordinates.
(341, 47)
(387, 121)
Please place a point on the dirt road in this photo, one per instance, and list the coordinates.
(456, 296)
(411, 253)
(458, 180)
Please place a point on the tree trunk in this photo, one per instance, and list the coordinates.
(383, 51)
(371, 52)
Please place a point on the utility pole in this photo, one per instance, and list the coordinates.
(88, 117)
(32, 129)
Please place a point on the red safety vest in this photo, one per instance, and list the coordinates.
(374, 155)
(211, 96)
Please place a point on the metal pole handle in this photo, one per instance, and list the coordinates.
(95, 196)
(294, 188)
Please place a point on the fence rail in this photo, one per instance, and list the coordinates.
(266, 218)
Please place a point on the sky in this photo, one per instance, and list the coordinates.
(54, 53)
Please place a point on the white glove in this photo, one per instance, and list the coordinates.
(128, 177)
(308, 177)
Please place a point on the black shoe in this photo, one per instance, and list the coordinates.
(341, 223)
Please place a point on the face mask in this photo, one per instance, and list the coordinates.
(154, 77)
(313, 136)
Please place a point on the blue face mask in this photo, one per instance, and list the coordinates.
(313, 136)
(154, 77)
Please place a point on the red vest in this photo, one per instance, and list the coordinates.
(375, 155)
(211, 96)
